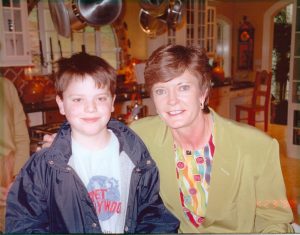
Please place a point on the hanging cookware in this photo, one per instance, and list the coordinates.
(154, 8)
(151, 25)
(60, 17)
(76, 21)
(174, 14)
(96, 12)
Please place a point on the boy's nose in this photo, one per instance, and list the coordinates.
(90, 107)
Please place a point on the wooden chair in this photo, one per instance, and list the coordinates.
(260, 100)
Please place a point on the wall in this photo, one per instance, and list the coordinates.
(138, 39)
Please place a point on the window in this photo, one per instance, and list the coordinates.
(49, 46)
(195, 22)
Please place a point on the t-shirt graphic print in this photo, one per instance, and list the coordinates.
(100, 172)
(105, 194)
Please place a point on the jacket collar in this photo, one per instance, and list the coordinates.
(129, 142)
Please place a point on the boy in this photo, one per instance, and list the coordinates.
(97, 176)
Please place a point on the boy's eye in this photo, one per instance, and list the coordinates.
(160, 91)
(76, 100)
(184, 87)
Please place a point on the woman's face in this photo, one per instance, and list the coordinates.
(178, 101)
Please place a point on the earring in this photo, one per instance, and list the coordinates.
(201, 105)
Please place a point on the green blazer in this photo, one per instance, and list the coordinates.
(247, 192)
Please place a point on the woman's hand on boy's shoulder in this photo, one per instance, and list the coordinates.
(47, 141)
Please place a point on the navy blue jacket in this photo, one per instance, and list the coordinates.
(48, 195)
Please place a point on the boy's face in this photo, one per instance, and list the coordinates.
(86, 107)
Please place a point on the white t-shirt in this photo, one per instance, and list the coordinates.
(100, 172)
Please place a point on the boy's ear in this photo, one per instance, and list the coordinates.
(113, 103)
(60, 105)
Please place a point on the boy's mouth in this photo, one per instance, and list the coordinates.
(90, 120)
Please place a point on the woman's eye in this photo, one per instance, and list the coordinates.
(184, 87)
(103, 98)
(159, 91)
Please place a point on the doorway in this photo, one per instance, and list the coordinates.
(278, 111)
(281, 64)
(223, 47)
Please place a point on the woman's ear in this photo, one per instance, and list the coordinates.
(60, 105)
(203, 97)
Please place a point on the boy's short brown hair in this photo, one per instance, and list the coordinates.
(81, 64)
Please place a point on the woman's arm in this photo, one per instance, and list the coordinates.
(273, 213)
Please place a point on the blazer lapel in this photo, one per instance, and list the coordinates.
(223, 175)
(165, 159)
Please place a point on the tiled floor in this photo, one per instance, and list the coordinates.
(290, 169)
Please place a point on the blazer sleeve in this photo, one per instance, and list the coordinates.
(21, 136)
(273, 212)
(153, 216)
(26, 210)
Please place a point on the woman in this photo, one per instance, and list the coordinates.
(217, 175)
(14, 140)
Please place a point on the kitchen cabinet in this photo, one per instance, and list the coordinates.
(293, 137)
(15, 50)
(240, 96)
(219, 100)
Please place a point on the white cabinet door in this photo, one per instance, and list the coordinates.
(219, 100)
(14, 48)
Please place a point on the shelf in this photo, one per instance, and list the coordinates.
(297, 44)
(296, 119)
(296, 127)
(298, 22)
(296, 137)
(296, 72)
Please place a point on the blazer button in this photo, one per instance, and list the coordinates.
(51, 162)
(94, 225)
(126, 229)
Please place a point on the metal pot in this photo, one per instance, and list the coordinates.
(154, 8)
(174, 14)
(96, 12)
(151, 25)
(79, 13)
(60, 17)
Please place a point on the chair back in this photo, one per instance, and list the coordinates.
(262, 88)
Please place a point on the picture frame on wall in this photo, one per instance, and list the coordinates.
(245, 45)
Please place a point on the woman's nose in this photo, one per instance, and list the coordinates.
(172, 97)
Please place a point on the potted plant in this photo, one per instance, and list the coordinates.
(280, 66)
